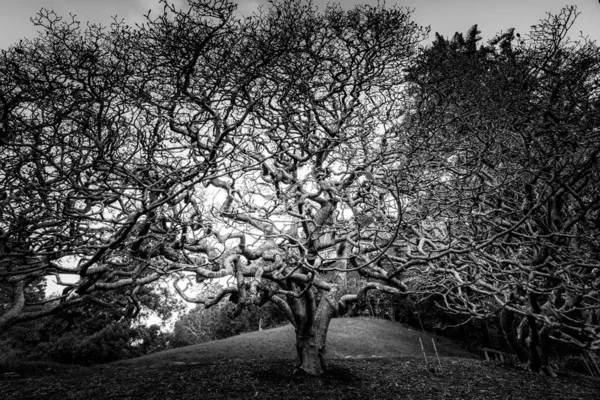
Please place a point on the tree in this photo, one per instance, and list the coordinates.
(90, 171)
(304, 210)
(85, 334)
(113, 141)
(54, 119)
(294, 151)
(201, 325)
(513, 214)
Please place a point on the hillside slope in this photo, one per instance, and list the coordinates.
(347, 338)
(259, 365)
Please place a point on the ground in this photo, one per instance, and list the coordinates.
(385, 363)
(347, 338)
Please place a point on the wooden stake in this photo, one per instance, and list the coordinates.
(420, 323)
(436, 354)
(423, 350)
(590, 363)
(586, 364)
(591, 357)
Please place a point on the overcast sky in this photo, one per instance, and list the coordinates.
(444, 16)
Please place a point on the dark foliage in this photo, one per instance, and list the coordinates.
(201, 325)
(87, 335)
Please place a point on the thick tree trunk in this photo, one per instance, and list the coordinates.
(523, 334)
(312, 352)
(544, 349)
(507, 323)
(311, 338)
(535, 361)
(535, 342)
(532, 344)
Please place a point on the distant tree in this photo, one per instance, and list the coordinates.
(86, 334)
(202, 325)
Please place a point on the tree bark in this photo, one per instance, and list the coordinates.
(507, 322)
(311, 338)
(312, 351)
(544, 349)
(17, 304)
(523, 334)
(535, 361)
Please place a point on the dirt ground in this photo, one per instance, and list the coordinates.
(368, 359)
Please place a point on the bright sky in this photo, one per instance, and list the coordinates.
(444, 16)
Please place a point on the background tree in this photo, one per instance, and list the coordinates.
(86, 334)
(513, 226)
(201, 325)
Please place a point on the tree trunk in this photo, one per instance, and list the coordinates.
(507, 324)
(311, 338)
(544, 349)
(523, 334)
(312, 352)
(535, 361)
(15, 308)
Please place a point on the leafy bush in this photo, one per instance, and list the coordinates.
(111, 343)
(81, 336)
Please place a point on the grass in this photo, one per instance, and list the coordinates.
(370, 359)
(347, 338)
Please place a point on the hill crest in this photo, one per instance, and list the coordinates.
(347, 338)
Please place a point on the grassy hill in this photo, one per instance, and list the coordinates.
(369, 359)
(347, 338)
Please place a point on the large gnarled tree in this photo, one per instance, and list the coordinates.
(205, 147)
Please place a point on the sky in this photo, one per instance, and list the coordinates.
(444, 16)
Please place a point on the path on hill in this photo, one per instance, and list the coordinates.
(348, 338)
